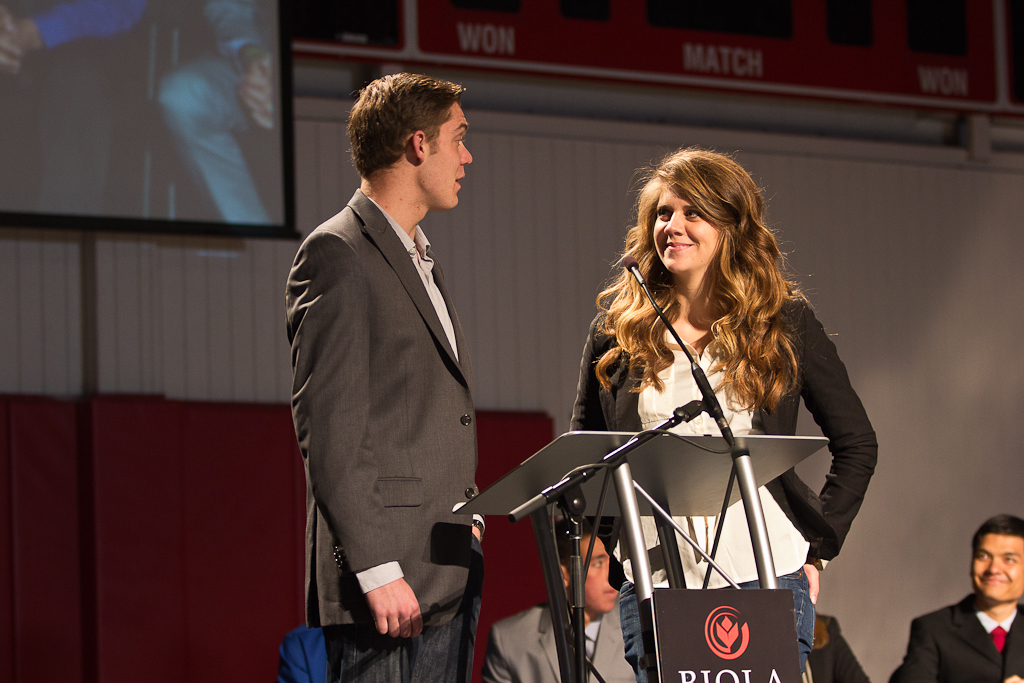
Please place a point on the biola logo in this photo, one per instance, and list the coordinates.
(726, 632)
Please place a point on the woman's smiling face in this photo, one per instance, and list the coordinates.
(686, 242)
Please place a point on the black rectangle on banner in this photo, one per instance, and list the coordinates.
(726, 636)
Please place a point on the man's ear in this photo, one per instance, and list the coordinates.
(417, 148)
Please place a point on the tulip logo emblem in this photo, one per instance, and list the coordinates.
(726, 632)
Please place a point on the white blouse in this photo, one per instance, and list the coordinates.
(735, 552)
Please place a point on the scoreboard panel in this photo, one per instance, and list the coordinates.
(949, 54)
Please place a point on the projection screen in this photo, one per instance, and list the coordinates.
(150, 115)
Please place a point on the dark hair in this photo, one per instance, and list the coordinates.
(392, 108)
(1004, 525)
(564, 542)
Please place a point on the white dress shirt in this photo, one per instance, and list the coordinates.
(735, 552)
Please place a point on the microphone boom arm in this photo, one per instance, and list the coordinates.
(740, 455)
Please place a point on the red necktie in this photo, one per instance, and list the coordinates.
(999, 637)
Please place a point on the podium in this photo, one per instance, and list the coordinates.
(682, 476)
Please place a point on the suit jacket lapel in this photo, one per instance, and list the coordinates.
(968, 628)
(609, 650)
(609, 642)
(460, 339)
(627, 401)
(1013, 650)
(378, 229)
(547, 640)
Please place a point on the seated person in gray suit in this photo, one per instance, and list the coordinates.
(521, 648)
(977, 640)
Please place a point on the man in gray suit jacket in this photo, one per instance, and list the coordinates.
(382, 404)
(521, 648)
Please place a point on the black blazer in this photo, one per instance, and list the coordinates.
(824, 519)
(951, 646)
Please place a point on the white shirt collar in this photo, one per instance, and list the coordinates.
(989, 623)
(421, 243)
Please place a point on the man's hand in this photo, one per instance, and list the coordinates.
(16, 39)
(479, 535)
(256, 91)
(395, 610)
(812, 582)
(10, 53)
(1014, 679)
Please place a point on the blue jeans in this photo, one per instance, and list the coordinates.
(203, 114)
(440, 654)
(632, 639)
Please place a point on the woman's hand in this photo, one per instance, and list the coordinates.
(812, 582)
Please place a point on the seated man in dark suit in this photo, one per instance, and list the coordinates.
(979, 639)
(521, 648)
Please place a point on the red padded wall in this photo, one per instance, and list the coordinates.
(146, 539)
(138, 508)
(44, 548)
(6, 555)
(512, 577)
(240, 520)
(195, 529)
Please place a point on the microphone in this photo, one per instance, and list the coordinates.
(631, 264)
(711, 404)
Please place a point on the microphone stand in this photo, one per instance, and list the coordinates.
(740, 455)
(569, 494)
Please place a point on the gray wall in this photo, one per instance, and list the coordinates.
(909, 254)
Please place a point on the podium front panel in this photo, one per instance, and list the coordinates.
(726, 636)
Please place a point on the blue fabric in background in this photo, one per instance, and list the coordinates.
(303, 657)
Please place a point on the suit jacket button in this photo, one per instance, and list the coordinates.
(471, 492)
(466, 419)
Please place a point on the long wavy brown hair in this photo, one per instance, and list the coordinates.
(744, 283)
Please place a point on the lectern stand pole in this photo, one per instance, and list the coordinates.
(755, 519)
(556, 589)
(634, 534)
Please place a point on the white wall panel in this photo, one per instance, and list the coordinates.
(241, 313)
(10, 302)
(61, 313)
(270, 365)
(40, 313)
(173, 329)
(193, 317)
(307, 175)
(30, 317)
(196, 325)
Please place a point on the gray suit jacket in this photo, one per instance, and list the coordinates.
(384, 419)
(951, 646)
(521, 649)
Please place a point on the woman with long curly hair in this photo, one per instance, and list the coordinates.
(713, 265)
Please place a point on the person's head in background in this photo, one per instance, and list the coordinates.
(997, 565)
(600, 597)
